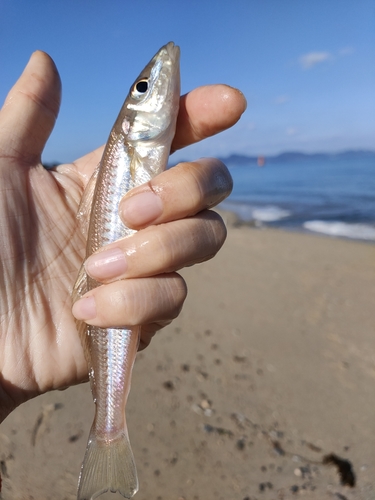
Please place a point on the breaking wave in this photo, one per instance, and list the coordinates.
(246, 212)
(270, 213)
(343, 229)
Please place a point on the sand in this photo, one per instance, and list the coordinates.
(269, 368)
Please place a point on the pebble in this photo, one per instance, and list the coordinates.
(169, 385)
(264, 486)
(205, 404)
(240, 445)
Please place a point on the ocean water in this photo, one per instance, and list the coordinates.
(334, 196)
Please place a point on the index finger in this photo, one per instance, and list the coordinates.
(205, 111)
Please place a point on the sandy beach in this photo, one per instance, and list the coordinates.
(263, 388)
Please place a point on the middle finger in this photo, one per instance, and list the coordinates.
(182, 191)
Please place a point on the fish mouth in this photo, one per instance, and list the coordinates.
(173, 51)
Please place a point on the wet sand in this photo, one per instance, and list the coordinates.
(268, 373)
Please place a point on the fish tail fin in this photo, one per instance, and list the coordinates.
(108, 466)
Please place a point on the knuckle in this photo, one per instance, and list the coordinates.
(215, 232)
(220, 232)
(167, 244)
(191, 181)
(176, 295)
(138, 301)
(221, 183)
(212, 181)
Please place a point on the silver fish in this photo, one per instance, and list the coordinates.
(137, 149)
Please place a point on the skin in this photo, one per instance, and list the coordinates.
(42, 246)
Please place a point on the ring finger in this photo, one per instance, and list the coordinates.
(159, 249)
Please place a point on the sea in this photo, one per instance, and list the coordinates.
(334, 196)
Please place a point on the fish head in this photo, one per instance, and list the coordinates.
(150, 109)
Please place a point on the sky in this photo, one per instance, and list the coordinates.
(307, 68)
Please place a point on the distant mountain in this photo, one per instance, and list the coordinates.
(240, 159)
(286, 157)
(291, 156)
(356, 154)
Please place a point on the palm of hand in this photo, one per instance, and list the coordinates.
(42, 248)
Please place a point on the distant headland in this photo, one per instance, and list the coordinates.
(291, 156)
(286, 157)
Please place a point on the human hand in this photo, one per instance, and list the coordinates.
(42, 246)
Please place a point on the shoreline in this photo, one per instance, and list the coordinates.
(232, 219)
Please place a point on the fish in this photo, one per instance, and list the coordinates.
(137, 149)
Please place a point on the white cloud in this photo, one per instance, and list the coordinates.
(249, 126)
(312, 58)
(291, 131)
(282, 99)
(346, 51)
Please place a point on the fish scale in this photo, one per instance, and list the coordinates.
(137, 149)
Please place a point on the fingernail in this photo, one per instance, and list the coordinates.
(85, 308)
(107, 264)
(141, 209)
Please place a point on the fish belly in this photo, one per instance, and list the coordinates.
(109, 462)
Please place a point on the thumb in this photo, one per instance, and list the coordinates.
(30, 110)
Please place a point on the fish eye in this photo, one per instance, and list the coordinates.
(141, 86)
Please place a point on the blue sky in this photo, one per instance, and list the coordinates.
(307, 68)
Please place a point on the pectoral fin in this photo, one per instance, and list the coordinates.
(80, 286)
(84, 209)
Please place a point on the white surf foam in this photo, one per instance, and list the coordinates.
(270, 213)
(267, 213)
(355, 231)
